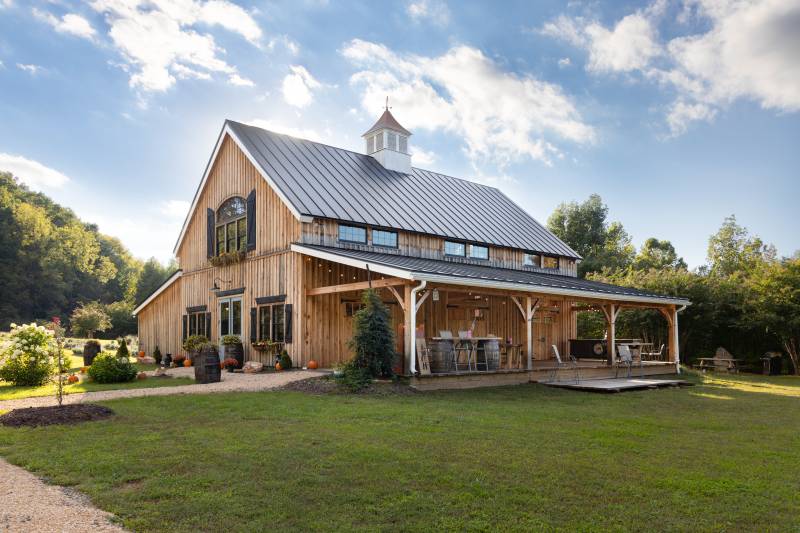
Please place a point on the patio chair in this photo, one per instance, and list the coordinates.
(457, 350)
(571, 362)
(656, 356)
(465, 346)
(491, 355)
(625, 358)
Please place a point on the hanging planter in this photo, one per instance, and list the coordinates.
(227, 258)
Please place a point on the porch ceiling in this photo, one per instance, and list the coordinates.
(447, 272)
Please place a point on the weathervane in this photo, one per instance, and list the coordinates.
(387, 103)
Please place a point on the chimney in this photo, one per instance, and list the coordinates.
(387, 141)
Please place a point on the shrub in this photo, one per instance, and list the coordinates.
(108, 368)
(122, 351)
(354, 377)
(193, 343)
(286, 361)
(27, 359)
(231, 340)
(157, 355)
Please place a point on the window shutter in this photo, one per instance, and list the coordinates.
(210, 232)
(251, 220)
(208, 326)
(253, 332)
(287, 321)
(185, 328)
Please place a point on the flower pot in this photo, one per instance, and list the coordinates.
(236, 351)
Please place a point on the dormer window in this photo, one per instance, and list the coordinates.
(355, 234)
(231, 226)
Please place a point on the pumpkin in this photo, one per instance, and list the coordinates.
(312, 365)
(278, 367)
(141, 354)
(187, 362)
(84, 369)
(141, 375)
(72, 379)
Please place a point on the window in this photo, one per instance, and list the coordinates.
(352, 234)
(391, 143)
(532, 260)
(370, 144)
(384, 238)
(454, 248)
(197, 323)
(379, 142)
(271, 322)
(404, 144)
(230, 316)
(231, 232)
(478, 252)
(549, 262)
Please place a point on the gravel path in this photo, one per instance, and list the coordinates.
(30, 504)
(231, 382)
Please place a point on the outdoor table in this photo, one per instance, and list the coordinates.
(710, 363)
(475, 343)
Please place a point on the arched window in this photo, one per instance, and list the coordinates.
(232, 226)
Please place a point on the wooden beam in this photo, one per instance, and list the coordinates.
(356, 286)
(409, 330)
(422, 300)
(399, 298)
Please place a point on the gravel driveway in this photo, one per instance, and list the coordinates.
(30, 504)
(231, 382)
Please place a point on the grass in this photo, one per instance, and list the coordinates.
(11, 392)
(720, 456)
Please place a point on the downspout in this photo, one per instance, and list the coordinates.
(676, 341)
(413, 309)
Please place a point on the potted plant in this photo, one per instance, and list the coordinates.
(178, 360)
(192, 345)
(229, 364)
(232, 347)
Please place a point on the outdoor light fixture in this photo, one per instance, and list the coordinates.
(435, 295)
(216, 287)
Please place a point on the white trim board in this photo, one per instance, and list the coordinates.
(475, 282)
(226, 130)
(157, 292)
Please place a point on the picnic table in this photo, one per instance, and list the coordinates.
(715, 363)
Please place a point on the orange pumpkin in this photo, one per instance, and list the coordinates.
(84, 369)
(187, 362)
(141, 354)
(72, 379)
(312, 365)
(278, 367)
(141, 375)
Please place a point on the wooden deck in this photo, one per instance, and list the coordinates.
(543, 372)
(619, 384)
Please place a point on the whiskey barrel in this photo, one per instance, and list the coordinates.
(206, 365)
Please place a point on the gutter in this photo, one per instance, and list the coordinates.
(413, 304)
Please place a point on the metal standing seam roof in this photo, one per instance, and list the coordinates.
(422, 268)
(334, 183)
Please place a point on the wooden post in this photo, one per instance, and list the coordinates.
(529, 329)
(611, 313)
(408, 313)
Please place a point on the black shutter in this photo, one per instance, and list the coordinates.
(208, 326)
(287, 317)
(251, 220)
(210, 232)
(253, 324)
(185, 328)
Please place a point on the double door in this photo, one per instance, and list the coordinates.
(229, 311)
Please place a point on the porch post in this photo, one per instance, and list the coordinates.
(612, 333)
(408, 328)
(676, 350)
(529, 328)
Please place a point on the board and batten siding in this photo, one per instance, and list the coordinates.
(160, 322)
(325, 232)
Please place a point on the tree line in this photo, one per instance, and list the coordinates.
(745, 298)
(55, 265)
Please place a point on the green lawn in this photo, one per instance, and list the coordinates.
(720, 456)
(10, 392)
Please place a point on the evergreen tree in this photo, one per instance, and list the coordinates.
(373, 337)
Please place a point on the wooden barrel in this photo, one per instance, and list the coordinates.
(206, 365)
(235, 351)
(491, 349)
(441, 353)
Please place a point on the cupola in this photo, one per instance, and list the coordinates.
(387, 141)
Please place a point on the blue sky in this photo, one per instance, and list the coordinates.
(678, 113)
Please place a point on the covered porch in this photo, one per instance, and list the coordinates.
(459, 325)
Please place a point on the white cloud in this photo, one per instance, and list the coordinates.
(747, 50)
(298, 87)
(148, 235)
(175, 209)
(283, 40)
(500, 115)
(564, 62)
(32, 173)
(160, 39)
(239, 81)
(681, 114)
(6, 3)
(422, 157)
(435, 11)
(30, 68)
(631, 44)
(70, 23)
